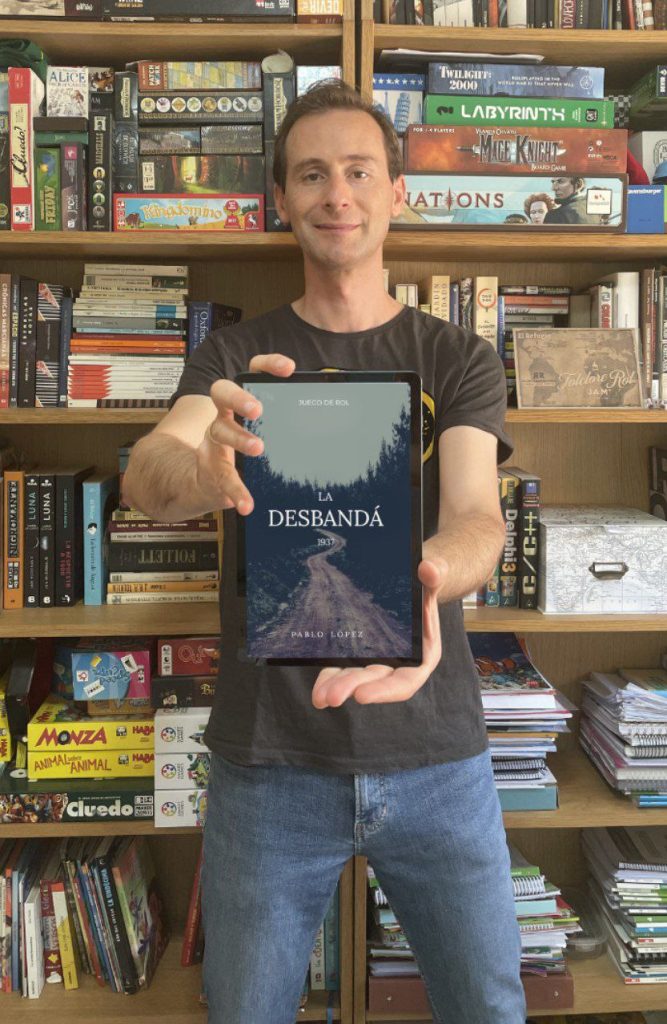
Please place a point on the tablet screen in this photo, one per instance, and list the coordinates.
(328, 557)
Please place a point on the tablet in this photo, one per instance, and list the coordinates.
(327, 559)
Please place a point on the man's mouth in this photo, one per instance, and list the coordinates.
(337, 228)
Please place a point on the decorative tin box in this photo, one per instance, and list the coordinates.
(597, 560)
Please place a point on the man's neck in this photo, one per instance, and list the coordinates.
(345, 302)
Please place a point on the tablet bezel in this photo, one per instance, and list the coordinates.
(348, 377)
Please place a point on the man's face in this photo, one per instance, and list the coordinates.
(563, 187)
(338, 197)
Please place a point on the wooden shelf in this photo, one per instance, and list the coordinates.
(598, 988)
(585, 800)
(88, 828)
(173, 997)
(155, 245)
(625, 55)
(89, 42)
(521, 247)
(127, 417)
(179, 619)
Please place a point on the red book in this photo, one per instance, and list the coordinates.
(194, 916)
(26, 97)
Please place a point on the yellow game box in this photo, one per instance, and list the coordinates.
(60, 725)
(6, 744)
(94, 764)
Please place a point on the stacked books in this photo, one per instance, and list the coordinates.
(628, 887)
(88, 906)
(639, 15)
(545, 919)
(524, 715)
(272, 11)
(623, 730)
(129, 343)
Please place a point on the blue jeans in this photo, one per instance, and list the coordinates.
(276, 841)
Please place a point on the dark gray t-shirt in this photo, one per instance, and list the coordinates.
(264, 714)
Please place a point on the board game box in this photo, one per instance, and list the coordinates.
(175, 808)
(184, 212)
(93, 764)
(60, 725)
(531, 80)
(32, 803)
(202, 175)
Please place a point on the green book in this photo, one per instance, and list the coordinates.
(546, 113)
(47, 188)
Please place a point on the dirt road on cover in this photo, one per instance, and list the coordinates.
(329, 607)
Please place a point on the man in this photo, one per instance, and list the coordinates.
(570, 195)
(309, 768)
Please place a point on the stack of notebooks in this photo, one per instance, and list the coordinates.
(524, 715)
(624, 731)
(629, 890)
(545, 922)
(545, 919)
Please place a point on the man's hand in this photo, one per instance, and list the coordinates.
(216, 473)
(381, 684)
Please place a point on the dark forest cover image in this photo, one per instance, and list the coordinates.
(327, 560)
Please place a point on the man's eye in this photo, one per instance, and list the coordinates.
(360, 174)
(313, 176)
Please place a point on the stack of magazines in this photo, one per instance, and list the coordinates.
(545, 919)
(624, 731)
(524, 715)
(628, 887)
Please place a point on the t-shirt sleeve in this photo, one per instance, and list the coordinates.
(478, 398)
(202, 368)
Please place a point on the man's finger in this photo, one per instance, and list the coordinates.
(226, 432)
(333, 686)
(228, 483)
(275, 363)
(391, 689)
(230, 398)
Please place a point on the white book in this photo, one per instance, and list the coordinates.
(517, 14)
(33, 980)
(453, 13)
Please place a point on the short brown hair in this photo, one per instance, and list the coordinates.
(333, 94)
(539, 197)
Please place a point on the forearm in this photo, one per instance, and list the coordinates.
(161, 480)
(470, 547)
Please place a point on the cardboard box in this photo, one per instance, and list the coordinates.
(188, 212)
(112, 675)
(182, 771)
(649, 148)
(176, 808)
(188, 655)
(401, 98)
(59, 725)
(646, 210)
(597, 560)
(94, 764)
(181, 731)
(509, 202)
(33, 803)
(202, 175)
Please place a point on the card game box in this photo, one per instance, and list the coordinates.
(180, 730)
(60, 725)
(66, 91)
(183, 691)
(188, 655)
(90, 764)
(513, 202)
(182, 771)
(176, 808)
(32, 803)
(533, 80)
(188, 213)
(201, 108)
(105, 675)
(517, 112)
(231, 138)
(153, 141)
(467, 149)
(202, 175)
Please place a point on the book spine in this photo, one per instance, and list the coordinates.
(200, 317)
(279, 92)
(317, 961)
(529, 533)
(100, 181)
(31, 541)
(492, 585)
(53, 971)
(508, 565)
(66, 307)
(662, 336)
(93, 543)
(64, 935)
(485, 309)
(5, 337)
(47, 515)
(191, 597)
(128, 973)
(5, 173)
(145, 556)
(24, 89)
(47, 185)
(13, 538)
(193, 916)
(125, 149)
(82, 958)
(27, 343)
(14, 323)
(72, 187)
(466, 301)
(331, 942)
(33, 950)
(64, 539)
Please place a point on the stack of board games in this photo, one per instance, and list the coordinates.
(272, 11)
(514, 146)
(188, 670)
(129, 339)
(182, 762)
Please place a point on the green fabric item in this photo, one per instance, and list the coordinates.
(21, 53)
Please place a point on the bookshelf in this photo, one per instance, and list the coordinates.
(254, 272)
(584, 456)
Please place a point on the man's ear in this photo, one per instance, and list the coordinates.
(280, 205)
(399, 195)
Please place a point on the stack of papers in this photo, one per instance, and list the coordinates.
(524, 714)
(545, 919)
(629, 890)
(624, 731)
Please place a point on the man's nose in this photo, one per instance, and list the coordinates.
(337, 192)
